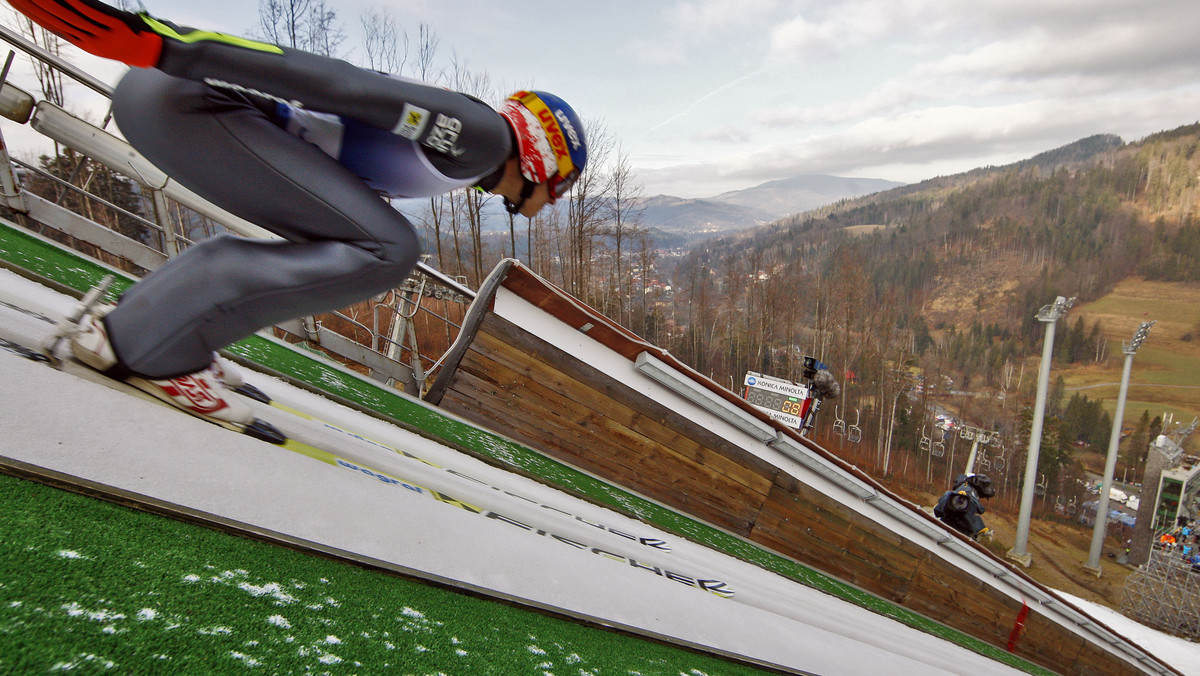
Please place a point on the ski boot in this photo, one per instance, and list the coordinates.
(203, 394)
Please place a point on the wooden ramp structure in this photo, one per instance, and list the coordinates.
(539, 366)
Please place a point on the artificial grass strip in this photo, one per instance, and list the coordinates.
(51, 261)
(92, 586)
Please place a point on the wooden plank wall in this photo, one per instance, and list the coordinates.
(518, 385)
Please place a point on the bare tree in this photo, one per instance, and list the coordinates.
(646, 256)
(302, 24)
(325, 34)
(439, 206)
(427, 46)
(386, 45)
(281, 22)
(584, 215)
(50, 81)
(478, 85)
(623, 212)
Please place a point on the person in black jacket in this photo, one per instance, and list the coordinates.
(304, 146)
(960, 506)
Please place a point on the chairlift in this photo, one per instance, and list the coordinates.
(984, 463)
(939, 446)
(999, 463)
(1040, 488)
(1072, 507)
(925, 441)
(839, 425)
(855, 433)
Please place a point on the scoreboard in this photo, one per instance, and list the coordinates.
(783, 400)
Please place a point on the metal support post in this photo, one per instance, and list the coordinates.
(1100, 527)
(1049, 315)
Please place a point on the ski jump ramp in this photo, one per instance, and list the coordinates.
(720, 531)
(365, 490)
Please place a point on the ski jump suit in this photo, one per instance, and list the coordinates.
(303, 146)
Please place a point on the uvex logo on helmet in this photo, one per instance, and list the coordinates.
(564, 123)
(554, 134)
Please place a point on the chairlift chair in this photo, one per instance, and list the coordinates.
(854, 435)
(939, 446)
(839, 425)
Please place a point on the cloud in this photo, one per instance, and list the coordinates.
(800, 38)
(688, 29)
(726, 134)
(1102, 50)
(923, 143)
(704, 18)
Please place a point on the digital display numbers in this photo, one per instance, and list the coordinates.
(783, 400)
(775, 401)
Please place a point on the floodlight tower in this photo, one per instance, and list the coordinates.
(1110, 465)
(1049, 315)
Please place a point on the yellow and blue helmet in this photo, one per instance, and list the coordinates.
(550, 141)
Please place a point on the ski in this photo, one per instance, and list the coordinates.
(22, 351)
(260, 429)
(265, 431)
(257, 429)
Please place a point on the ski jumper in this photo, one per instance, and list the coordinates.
(303, 146)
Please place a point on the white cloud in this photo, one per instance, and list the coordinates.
(725, 134)
(712, 95)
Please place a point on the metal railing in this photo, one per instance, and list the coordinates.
(389, 349)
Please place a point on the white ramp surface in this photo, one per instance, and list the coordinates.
(384, 495)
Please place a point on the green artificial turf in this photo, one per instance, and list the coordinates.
(95, 587)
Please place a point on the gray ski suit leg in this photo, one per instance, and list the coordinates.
(343, 242)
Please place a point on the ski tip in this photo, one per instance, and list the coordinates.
(251, 392)
(27, 352)
(265, 431)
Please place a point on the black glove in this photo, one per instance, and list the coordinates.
(97, 29)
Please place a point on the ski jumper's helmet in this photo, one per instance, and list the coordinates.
(551, 145)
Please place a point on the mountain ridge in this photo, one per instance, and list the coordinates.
(679, 220)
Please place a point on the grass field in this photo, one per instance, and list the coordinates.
(1165, 378)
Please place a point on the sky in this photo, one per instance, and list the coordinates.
(701, 97)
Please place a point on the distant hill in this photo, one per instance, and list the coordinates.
(987, 244)
(802, 193)
(679, 220)
(694, 219)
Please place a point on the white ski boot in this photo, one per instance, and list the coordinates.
(203, 394)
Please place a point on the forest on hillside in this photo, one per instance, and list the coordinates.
(1070, 223)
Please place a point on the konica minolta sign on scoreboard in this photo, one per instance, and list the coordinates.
(781, 399)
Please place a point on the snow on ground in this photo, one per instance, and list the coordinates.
(1180, 653)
